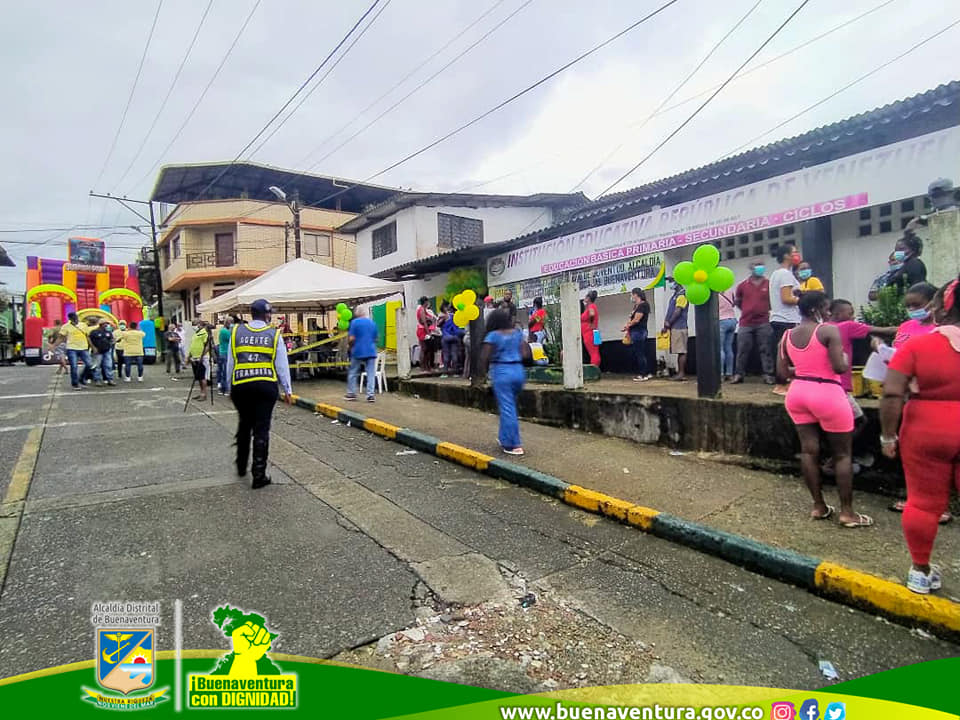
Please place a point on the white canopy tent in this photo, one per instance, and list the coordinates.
(303, 286)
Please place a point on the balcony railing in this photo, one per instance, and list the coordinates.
(199, 260)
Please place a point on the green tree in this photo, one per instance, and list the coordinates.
(468, 278)
(888, 309)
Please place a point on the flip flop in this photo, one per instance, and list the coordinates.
(862, 521)
(829, 513)
(898, 506)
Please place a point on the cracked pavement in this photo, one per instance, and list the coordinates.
(132, 499)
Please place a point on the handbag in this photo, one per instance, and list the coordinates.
(626, 339)
(663, 340)
(597, 340)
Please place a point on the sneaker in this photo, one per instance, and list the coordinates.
(99, 383)
(371, 398)
(514, 451)
(922, 583)
(350, 397)
(936, 582)
(126, 379)
(111, 383)
(78, 387)
(140, 378)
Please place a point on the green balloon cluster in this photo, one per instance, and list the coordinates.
(703, 275)
(343, 316)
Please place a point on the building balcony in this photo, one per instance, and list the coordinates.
(200, 260)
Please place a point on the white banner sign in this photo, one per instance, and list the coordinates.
(881, 175)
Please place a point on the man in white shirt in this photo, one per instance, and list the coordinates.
(784, 312)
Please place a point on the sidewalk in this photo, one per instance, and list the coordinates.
(769, 508)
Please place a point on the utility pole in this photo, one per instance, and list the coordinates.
(295, 207)
(153, 235)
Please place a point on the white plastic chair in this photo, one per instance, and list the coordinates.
(379, 373)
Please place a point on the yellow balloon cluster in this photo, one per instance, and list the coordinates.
(466, 308)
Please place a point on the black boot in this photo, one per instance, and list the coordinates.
(243, 454)
(261, 447)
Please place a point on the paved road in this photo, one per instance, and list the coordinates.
(132, 499)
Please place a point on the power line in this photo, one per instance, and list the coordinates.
(691, 98)
(843, 89)
(402, 80)
(506, 102)
(203, 94)
(323, 77)
(71, 228)
(163, 105)
(133, 88)
(277, 114)
(706, 102)
(418, 87)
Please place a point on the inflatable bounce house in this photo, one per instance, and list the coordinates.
(82, 284)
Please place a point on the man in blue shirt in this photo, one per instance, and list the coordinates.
(362, 337)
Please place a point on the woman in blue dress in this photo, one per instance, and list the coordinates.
(504, 351)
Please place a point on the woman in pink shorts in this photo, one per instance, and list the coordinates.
(812, 354)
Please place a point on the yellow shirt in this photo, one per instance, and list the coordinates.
(76, 336)
(810, 284)
(133, 342)
(118, 340)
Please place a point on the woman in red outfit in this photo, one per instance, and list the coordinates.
(590, 321)
(929, 440)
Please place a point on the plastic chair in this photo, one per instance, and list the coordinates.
(379, 373)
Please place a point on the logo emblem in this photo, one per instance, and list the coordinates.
(125, 659)
(810, 710)
(246, 676)
(497, 266)
(836, 711)
(782, 711)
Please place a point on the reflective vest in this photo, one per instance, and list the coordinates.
(254, 351)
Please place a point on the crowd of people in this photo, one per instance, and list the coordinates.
(99, 347)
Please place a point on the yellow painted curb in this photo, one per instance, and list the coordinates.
(642, 517)
(23, 470)
(331, 411)
(464, 456)
(615, 508)
(378, 427)
(887, 596)
(585, 498)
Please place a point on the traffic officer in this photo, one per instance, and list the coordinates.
(256, 363)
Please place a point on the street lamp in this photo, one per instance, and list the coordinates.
(294, 206)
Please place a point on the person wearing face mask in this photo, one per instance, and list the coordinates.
(917, 300)
(807, 280)
(907, 251)
(929, 433)
(882, 281)
(752, 296)
(784, 312)
(813, 353)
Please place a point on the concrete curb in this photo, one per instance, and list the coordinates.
(848, 586)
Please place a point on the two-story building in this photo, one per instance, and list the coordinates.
(239, 229)
(412, 227)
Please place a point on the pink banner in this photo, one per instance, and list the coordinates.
(709, 234)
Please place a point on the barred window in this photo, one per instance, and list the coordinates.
(455, 232)
(316, 244)
(385, 240)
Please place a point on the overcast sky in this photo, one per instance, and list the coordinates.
(68, 68)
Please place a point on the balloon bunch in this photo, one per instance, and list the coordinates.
(466, 308)
(703, 274)
(343, 316)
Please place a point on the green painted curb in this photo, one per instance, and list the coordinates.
(533, 479)
(348, 416)
(418, 441)
(305, 404)
(768, 560)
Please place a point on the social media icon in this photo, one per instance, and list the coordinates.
(836, 711)
(810, 710)
(782, 711)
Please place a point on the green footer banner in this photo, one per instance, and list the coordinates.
(210, 681)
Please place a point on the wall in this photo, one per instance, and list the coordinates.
(417, 231)
(231, 210)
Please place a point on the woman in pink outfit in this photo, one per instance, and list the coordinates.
(590, 321)
(812, 354)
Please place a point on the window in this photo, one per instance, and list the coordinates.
(788, 230)
(864, 230)
(729, 241)
(907, 206)
(865, 214)
(165, 255)
(223, 247)
(743, 239)
(886, 210)
(385, 240)
(454, 232)
(314, 244)
(775, 233)
(886, 226)
(196, 301)
(744, 252)
(175, 245)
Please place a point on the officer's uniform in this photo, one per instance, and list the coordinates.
(256, 364)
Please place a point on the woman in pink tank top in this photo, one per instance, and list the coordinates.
(812, 354)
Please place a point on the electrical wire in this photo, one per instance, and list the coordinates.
(401, 81)
(300, 89)
(133, 88)
(416, 89)
(706, 102)
(846, 87)
(163, 104)
(504, 103)
(691, 98)
(323, 77)
(203, 94)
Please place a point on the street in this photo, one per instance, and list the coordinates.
(358, 539)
